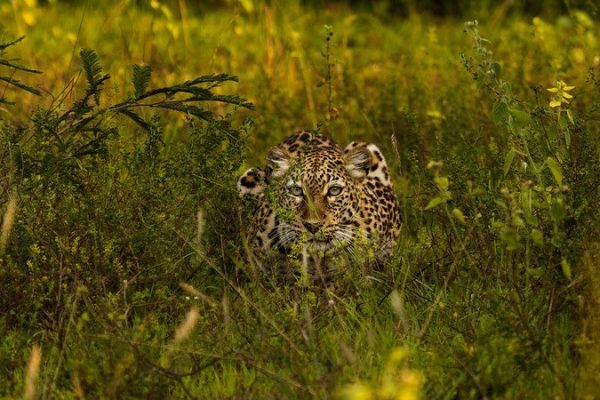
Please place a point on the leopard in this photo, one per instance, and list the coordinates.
(329, 200)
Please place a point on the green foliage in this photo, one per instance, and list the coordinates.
(11, 65)
(124, 262)
(93, 72)
(106, 230)
(141, 79)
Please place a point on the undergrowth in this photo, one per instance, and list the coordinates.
(121, 263)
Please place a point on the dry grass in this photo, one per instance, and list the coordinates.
(589, 340)
(33, 368)
(185, 328)
(8, 221)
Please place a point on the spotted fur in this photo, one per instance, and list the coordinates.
(328, 198)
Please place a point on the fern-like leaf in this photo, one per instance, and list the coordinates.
(214, 78)
(91, 66)
(189, 110)
(11, 64)
(135, 118)
(235, 100)
(93, 72)
(141, 78)
(20, 85)
(4, 46)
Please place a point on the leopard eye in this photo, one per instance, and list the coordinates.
(295, 190)
(334, 191)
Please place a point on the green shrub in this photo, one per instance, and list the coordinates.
(107, 222)
(490, 294)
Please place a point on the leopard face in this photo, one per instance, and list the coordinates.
(321, 198)
(315, 193)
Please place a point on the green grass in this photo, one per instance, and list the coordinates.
(491, 293)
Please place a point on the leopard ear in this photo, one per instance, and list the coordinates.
(251, 183)
(278, 162)
(366, 160)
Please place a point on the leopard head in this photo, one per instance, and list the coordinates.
(315, 188)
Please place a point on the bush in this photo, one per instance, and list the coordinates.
(108, 222)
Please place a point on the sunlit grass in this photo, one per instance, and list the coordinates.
(412, 64)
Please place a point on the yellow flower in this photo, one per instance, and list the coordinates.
(560, 94)
(398, 382)
(357, 391)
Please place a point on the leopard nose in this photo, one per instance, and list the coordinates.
(312, 227)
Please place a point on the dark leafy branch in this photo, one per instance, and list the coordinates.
(184, 97)
(83, 128)
(141, 79)
(13, 67)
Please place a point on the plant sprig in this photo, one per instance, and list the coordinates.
(13, 67)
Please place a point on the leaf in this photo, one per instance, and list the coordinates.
(535, 167)
(536, 272)
(567, 135)
(436, 201)
(510, 237)
(497, 69)
(501, 204)
(91, 66)
(523, 118)
(4, 46)
(20, 85)
(434, 164)
(215, 78)
(456, 213)
(500, 112)
(135, 118)
(555, 169)
(554, 103)
(4, 101)
(538, 237)
(190, 110)
(570, 117)
(562, 121)
(233, 99)
(19, 67)
(558, 210)
(508, 160)
(566, 268)
(93, 72)
(442, 182)
(141, 78)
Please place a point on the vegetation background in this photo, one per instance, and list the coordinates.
(121, 261)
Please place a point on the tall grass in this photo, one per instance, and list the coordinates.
(8, 221)
(124, 261)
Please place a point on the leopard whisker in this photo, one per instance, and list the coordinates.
(287, 236)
